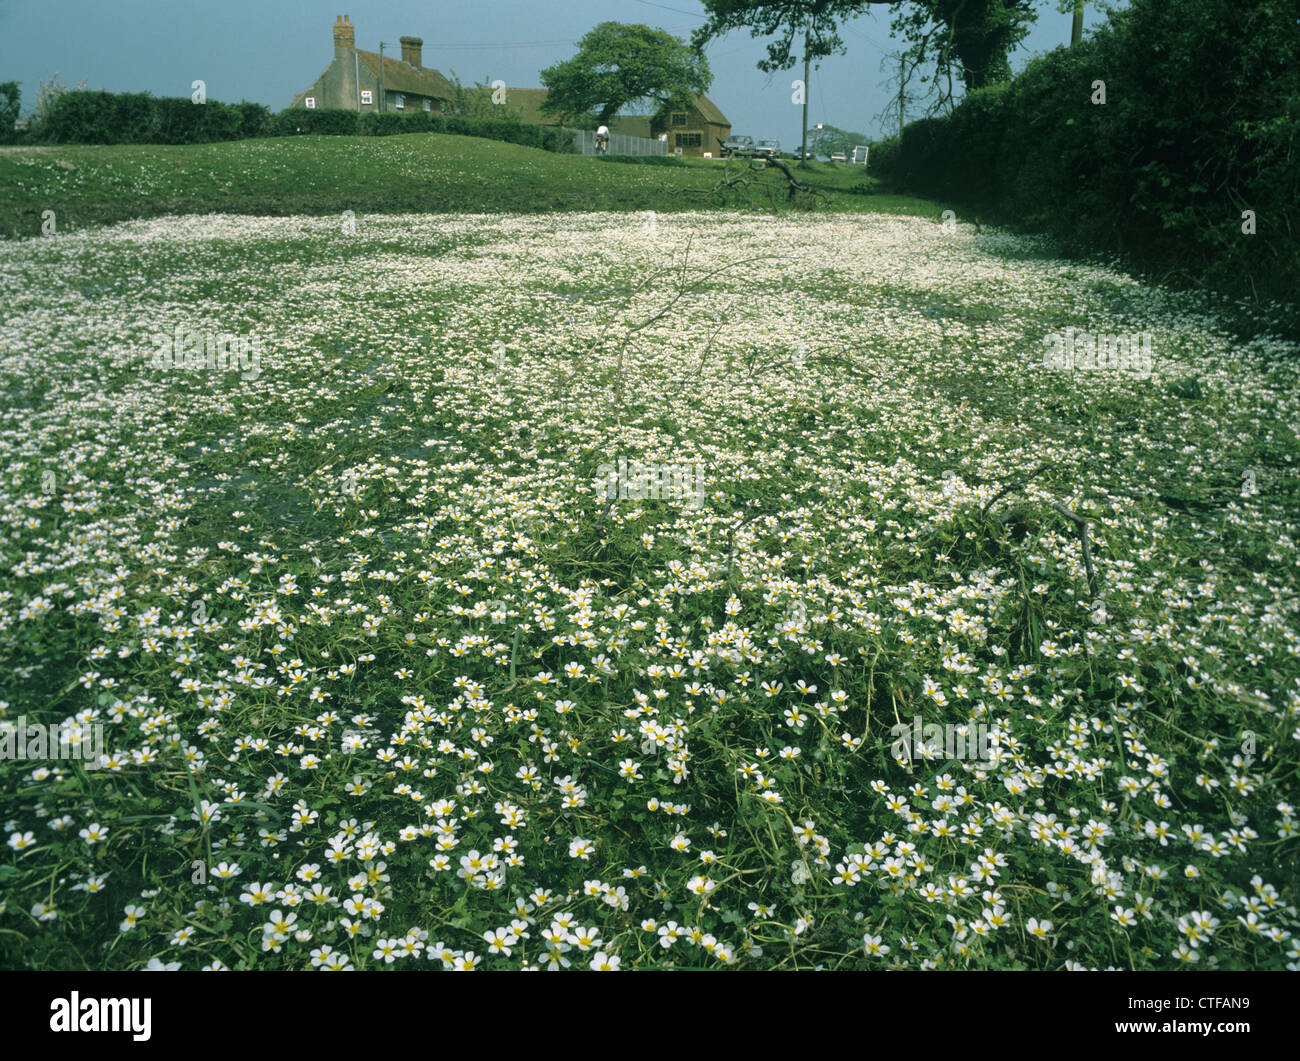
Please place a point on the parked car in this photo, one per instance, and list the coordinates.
(768, 149)
(838, 158)
(740, 146)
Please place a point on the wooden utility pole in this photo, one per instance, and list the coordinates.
(803, 150)
(902, 84)
(383, 96)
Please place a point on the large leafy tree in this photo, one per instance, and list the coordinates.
(789, 22)
(618, 64)
(830, 140)
(966, 39)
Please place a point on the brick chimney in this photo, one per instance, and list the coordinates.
(411, 50)
(345, 35)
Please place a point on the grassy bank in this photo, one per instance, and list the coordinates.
(319, 175)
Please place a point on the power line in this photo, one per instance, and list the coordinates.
(519, 44)
(499, 45)
(879, 47)
(651, 3)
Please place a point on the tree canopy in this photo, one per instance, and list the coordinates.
(479, 101)
(968, 39)
(831, 140)
(618, 64)
(971, 39)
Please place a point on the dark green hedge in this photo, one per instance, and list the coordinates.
(299, 120)
(1201, 122)
(139, 118)
(642, 160)
(350, 123)
(546, 137)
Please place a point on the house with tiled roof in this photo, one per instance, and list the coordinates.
(693, 132)
(374, 81)
(528, 102)
(370, 81)
(697, 131)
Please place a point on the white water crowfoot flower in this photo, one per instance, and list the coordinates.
(327, 959)
(580, 848)
(387, 950)
(257, 894)
(368, 603)
(22, 841)
(94, 834)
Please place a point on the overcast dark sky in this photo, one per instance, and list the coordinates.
(266, 50)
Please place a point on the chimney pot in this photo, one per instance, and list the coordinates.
(345, 35)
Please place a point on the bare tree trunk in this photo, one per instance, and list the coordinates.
(1076, 31)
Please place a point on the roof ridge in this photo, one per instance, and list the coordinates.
(426, 79)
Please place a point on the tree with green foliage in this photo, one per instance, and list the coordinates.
(1189, 168)
(966, 39)
(478, 101)
(789, 21)
(47, 95)
(970, 40)
(831, 140)
(619, 64)
(10, 97)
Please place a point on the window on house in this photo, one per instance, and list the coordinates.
(311, 103)
(428, 104)
(678, 118)
(367, 96)
(687, 140)
(400, 102)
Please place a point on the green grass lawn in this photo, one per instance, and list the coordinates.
(315, 175)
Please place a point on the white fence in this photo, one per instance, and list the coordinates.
(585, 141)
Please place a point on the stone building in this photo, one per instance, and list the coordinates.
(367, 81)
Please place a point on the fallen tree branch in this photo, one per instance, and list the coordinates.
(684, 288)
(794, 186)
(1081, 525)
(1014, 486)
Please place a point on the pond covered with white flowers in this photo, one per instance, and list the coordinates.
(573, 592)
